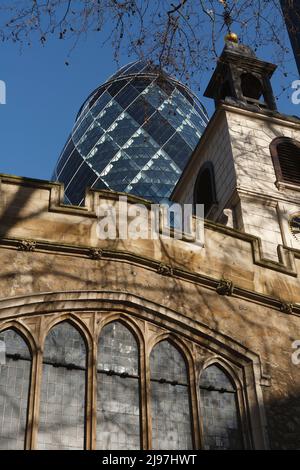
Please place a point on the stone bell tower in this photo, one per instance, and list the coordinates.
(246, 167)
(241, 79)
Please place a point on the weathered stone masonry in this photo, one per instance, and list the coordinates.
(224, 304)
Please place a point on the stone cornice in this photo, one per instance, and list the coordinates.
(285, 265)
(270, 199)
(264, 115)
(161, 269)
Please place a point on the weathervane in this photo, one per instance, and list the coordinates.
(230, 36)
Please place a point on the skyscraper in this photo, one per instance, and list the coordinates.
(135, 134)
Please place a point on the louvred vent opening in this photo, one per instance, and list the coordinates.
(289, 160)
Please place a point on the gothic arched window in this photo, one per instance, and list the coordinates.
(286, 159)
(204, 190)
(15, 369)
(170, 403)
(219, 408)
(118, 389)
(62, 407)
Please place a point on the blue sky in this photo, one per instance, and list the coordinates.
(44, 95)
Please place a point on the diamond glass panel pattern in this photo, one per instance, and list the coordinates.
(92, 99)
(100, 103)
(62, 407)
(170, 406)
(68, 149)
(100, 156)
(126, 96)
(118, 402)
(158, 128)
(134, 114)
(89, 140)
(120, 172)
(155, 96)
(83, 178)
(221, 426)
(81, 127)
(15, 367)
(123, 127)
(178, 148)
(115, 87)
(109, 114)
(72, 165)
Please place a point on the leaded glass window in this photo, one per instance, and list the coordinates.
(62, 406)
(15, 367)
(170, 404)
(219, 408)
(118, 401)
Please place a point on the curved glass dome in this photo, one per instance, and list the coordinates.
(134, 134)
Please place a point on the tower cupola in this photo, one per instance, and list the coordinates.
(242, 79)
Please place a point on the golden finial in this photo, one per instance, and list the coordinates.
(232, 37)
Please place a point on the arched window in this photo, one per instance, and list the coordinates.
(170, 405)
(62, 407)
(286, 159)
(15, 368)
(204, 190)
(219, 408)
(251, 87)
(118, 389)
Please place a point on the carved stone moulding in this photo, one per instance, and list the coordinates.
(165, 270)
(27, 245)
(287, 307)
(95, 253)
(225, 287)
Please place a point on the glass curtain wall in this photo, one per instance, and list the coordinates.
(134, 134)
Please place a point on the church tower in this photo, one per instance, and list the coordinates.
(246, 167)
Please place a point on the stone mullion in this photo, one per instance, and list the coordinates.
(243, 418)
(92, 386)
(146, 396)
(34, 401)
(91, 402)
(195, 415)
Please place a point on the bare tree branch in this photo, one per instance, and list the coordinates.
(184, 37)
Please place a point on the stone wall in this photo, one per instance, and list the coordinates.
(237, 142)
(221, 303)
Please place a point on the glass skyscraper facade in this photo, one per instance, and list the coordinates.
(134, 134)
